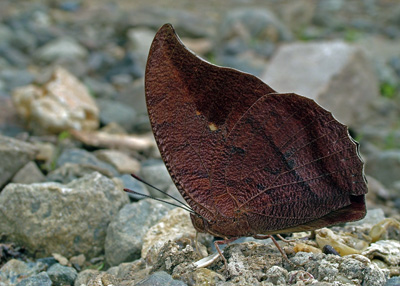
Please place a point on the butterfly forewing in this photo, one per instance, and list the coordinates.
(192, 106)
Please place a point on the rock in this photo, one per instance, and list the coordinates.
(62, 103)
(155, 173)
(175, 257)
(61, 259)
(384, 166)
(394, 281)
(41, 279)
(69, 172)
(15, 270)
(336, 75)
(200, 46)
(160, 278)
(344, 243)
(200, 276)
(47, 151)
(10, 123)
(85, 276)
(114, 111)
(140, 40)
(124, 163)
(277, 275)
(67, 219)
(70, 6)
(15, 78)
(387, 229)
(5, 33)
(125, 233)
(62, 275)
(61, 49)
(130, 183)
(187, 23)
(347, 269)
(253, 24)
(85, 158)
(296, 15)
(380, 51)
(101, 139)
(377, 192)
(100, 89)
(249, 261)
(127, 66)
(14, 155)
(385, 250)
(381, 129)
(247, 36)
(29, 174)
(103, 279)
(78, 260)
(174, 226)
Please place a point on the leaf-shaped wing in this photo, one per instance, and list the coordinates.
(287, 161)
(192, 106)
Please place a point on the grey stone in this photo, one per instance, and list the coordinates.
(14, 155)
(85, 276)
(67, 219)
(62, 48)
(140, 40)
(351, 268)
(160, 279)
(41, 279)
(100, 89)
(174, 231)
(15, 270)
(247, 36)
(394, 281)
(83, 157)
(69, 172)
(336, 75)
(277, 275)
(5, 33)
(371, 218)
(62, 275)
(135, 185)
(15, 78)
(384, 166)
(28, 174)
(155, 173)
(13, 57)
(121, 161)
(253, 24)
(113, 111)
(188, 24)
(125, 233)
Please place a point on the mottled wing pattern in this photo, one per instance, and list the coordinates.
(192, 106)
(287, 162)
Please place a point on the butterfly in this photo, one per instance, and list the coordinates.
(248, 161)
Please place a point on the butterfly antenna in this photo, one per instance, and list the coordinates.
(160, 200)
(184, 206)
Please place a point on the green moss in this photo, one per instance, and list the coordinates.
(388, 90)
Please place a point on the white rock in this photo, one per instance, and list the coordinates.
(61, 104)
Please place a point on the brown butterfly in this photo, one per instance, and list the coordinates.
(247, 160)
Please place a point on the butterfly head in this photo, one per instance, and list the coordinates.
(225, 227)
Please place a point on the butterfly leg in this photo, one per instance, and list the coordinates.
(284, 239)
(196, 242)
(225, 241)
(276, 244)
